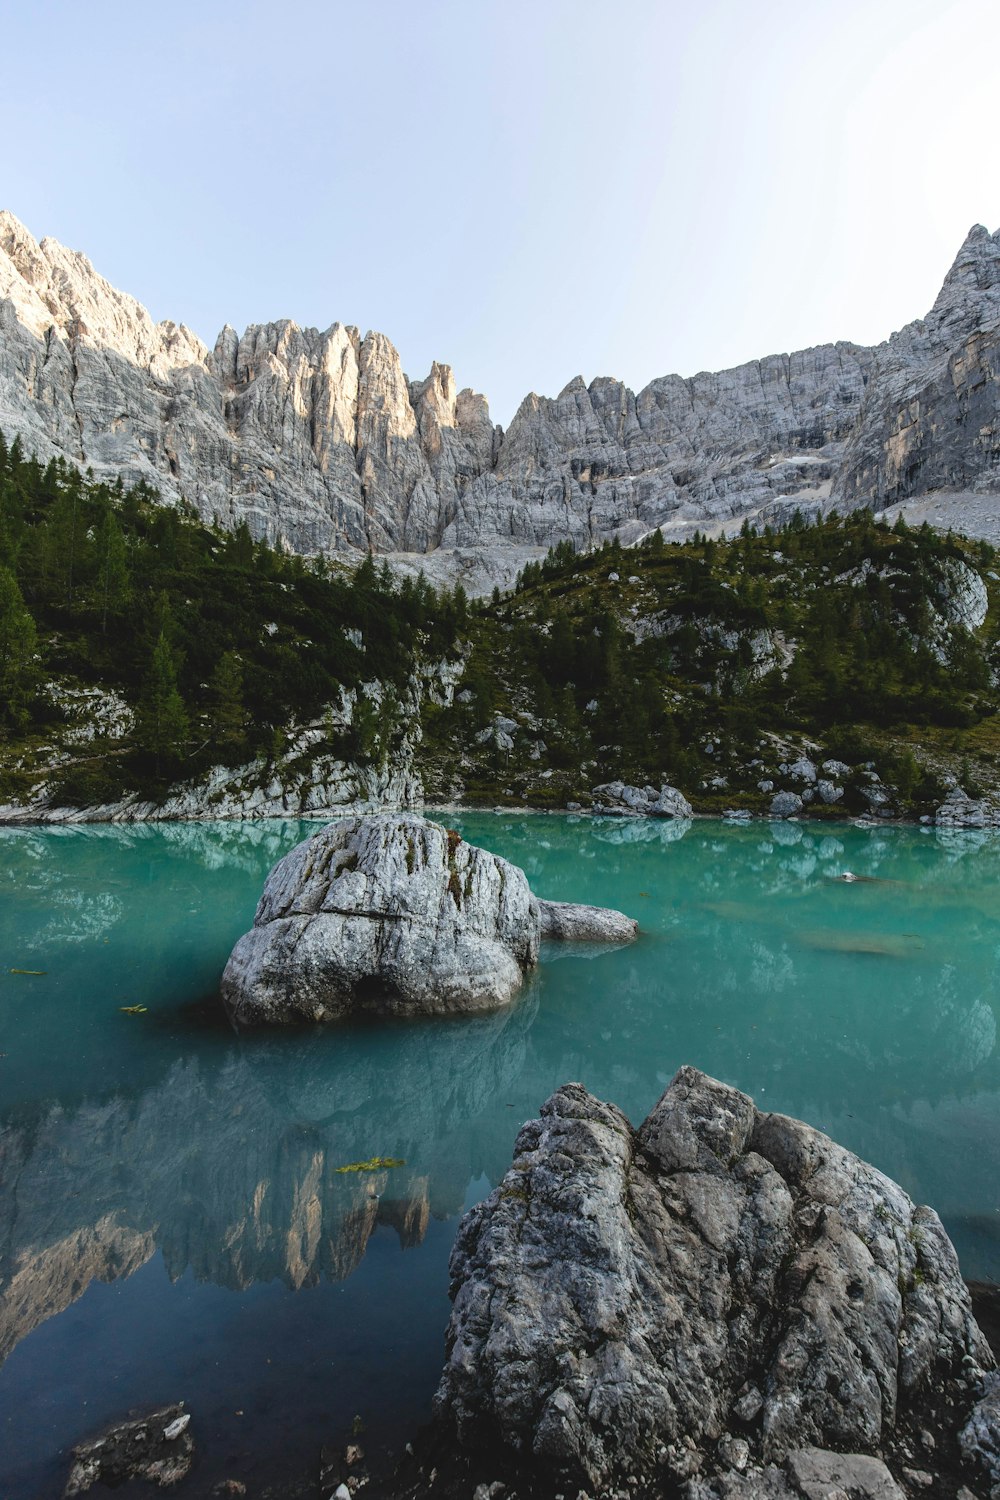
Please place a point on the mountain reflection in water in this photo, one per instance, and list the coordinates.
(130, 1143)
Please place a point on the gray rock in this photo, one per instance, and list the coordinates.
(930, 418)
(387, 914)
(980, 1437)
(803, 770)
(622, 800)
(157, 1448)
(809, 1474)
(785, 805)
(959, 810)
(836, 769)
(319, 441)
(571, 923)
(395, 915)
(620, 1291)
(827, 792)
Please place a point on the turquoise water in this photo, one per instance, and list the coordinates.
(172, 1223)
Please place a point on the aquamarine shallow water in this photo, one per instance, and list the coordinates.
(172, 1224)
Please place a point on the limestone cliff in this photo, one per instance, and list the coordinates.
(321, 442)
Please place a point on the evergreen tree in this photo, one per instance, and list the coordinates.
(226, 711)
(162, 722)
(18, 647)
(113, 585)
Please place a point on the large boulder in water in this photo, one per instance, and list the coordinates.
(392, 914)
(723, 1303)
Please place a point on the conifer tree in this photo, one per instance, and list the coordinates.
(18, 648)
(162, 722)
(226, 711)
(113, 584)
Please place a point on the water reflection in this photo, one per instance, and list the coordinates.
(232, 1171)
(867, 1008)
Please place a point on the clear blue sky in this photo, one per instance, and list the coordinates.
(526, 191)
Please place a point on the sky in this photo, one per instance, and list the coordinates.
(525, 191)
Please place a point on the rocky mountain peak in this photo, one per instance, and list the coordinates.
(319, 441)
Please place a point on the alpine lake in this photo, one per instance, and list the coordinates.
(175, 1219)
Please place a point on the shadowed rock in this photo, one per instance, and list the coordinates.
(157, 1448)
(718, 1299)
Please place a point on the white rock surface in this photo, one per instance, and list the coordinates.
(622, 800)
(388, 914)
(719, 1292)
(320, 442)
(394, 915)
(570, 922)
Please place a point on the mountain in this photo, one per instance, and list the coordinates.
(321, 443)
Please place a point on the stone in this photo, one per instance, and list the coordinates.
(827, 792)
(157, 1448)
(569, 922)
(785, 805)
(394, 915)
(803, 770)
(390, 915)
(818, 1474)
(980, 1437)
(720, 1283)
(962, 811)
(617, 798)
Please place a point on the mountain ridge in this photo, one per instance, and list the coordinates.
(322, 444)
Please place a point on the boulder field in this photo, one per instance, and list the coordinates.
(395, 915)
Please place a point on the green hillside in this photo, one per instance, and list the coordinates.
(139, 648)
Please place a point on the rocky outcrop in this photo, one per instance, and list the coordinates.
(393, 915)
(569, 922)
(620, 800)
(157, 1448)
(930, 417)
(959, 810)
(305, 779)
(319, 441)
(723, 1297)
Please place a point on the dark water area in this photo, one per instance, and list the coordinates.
(172, 1221)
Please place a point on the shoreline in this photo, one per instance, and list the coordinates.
(12, 816)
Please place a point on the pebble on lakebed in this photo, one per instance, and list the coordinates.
(394, 915)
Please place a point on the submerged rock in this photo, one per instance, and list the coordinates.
(723, 1299)
(622, 800)
(394, 915)
(158, 1448)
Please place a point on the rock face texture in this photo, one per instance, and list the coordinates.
(569, 922)
(393, 915)
(157, 1448)
(621, 800)
(319, 441)
(720, 1299)
(930, 418)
